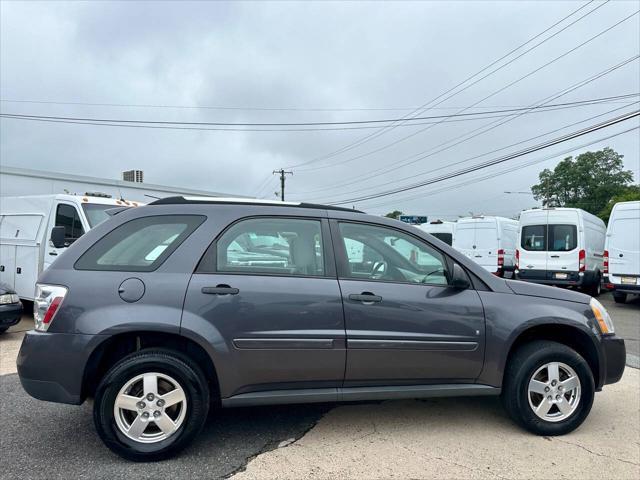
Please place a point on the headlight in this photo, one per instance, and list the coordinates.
(602, 316)
(9, 298)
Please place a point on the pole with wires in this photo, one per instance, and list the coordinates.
(283, 174)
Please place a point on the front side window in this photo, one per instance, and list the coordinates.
(67, 216)
(140, 245)
(386, 254)
(96, 213)
(534, 238)
(278, 246)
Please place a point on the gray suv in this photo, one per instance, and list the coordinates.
(169, 309)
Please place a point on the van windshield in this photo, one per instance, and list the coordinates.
(549, 238)
(96, 213)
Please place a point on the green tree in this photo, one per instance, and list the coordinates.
(631, 194)
(589, 181)
(395, 214)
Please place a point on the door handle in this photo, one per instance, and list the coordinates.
(555, 256)
(365, 297)
(621, 255)
(220, 290)
(53, 253)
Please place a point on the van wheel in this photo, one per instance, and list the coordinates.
(548, 388)
(619, 297)
(596, 288)
(151, 405)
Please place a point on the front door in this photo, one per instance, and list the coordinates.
(267, 292)
(404, 324)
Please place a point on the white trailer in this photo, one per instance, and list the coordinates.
(26, 226)
(561, 246)
(489, 241)
(622, 251)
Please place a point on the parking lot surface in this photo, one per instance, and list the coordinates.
(439, 438)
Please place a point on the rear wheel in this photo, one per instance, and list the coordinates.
(619, 297)
(548, 388)
(151, 405)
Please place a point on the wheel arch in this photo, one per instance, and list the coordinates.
(112, 349)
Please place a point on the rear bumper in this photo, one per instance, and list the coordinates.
(548, 277)
(10, 314)
(615, 357)
(620, 287)
(51, 365)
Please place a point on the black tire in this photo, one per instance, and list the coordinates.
(596, 288)
(167, 362)
(619, 297)
(3, 329)
(523, 364)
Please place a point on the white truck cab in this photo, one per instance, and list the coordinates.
(622, 251)
(489, 241)
(440, 229)
(561, 246)
(29, 241)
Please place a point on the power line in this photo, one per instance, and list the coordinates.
(473, 168)
(402, 139)
(382, 131)
(412, 159)
(302, 124)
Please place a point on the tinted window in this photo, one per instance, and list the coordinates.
(562, 238)
(67, 216)
(534, 238)
(385, 254)
(279, 246)
(445, 237)
(141, 245)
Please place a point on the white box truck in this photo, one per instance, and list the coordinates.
(489, 241)
(622, 251)
(35, 229)
(439, 229)
(561, 246)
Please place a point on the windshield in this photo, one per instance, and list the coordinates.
(96, 213)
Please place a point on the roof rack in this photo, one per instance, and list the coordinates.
(181, 200)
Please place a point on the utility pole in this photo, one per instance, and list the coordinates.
(282, 178)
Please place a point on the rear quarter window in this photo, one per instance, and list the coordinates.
(140, 245)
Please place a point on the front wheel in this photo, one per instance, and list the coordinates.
(151, 405)
(548, 388)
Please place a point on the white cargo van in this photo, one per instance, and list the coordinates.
(29, 239)
(622, 251)
(489, 241)
(561, 246)
(439, 229)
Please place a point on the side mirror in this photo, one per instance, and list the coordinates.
(57, 237)
(459, 278)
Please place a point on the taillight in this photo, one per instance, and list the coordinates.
(582, 261)
(605, 265)
(517, 258)
(500, 258)
(46, 304)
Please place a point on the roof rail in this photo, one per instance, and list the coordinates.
(182, 200)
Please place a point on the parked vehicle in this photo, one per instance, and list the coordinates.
(488, 241)
(149, 314)
(35, 229)
(439, 229)
(561, 246)
(622, 251)
(10, 308)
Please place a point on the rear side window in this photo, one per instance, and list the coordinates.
(534, 238)
(141, 245)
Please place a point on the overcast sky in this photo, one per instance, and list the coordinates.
(325, 61)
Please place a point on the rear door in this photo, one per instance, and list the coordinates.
(624, 246)
(533, 244)
(464, 239)
(486, 245)
(563, 242)
(267, 287)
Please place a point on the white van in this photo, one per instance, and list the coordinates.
(622, 251)
(489, 241)
(28, 241)
(561, 246)
(439, 229)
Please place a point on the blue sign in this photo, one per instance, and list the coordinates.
(413, 219)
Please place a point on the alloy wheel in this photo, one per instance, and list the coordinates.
(554, 391)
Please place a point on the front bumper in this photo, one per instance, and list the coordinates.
(615, 357)
(10, 314)
(51, 365)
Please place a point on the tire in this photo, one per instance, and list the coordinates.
(619, 297)
(596, 288)
(173, 373)
(519, 402)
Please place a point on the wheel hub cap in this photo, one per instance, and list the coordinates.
(150, 408)
(554, 392)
